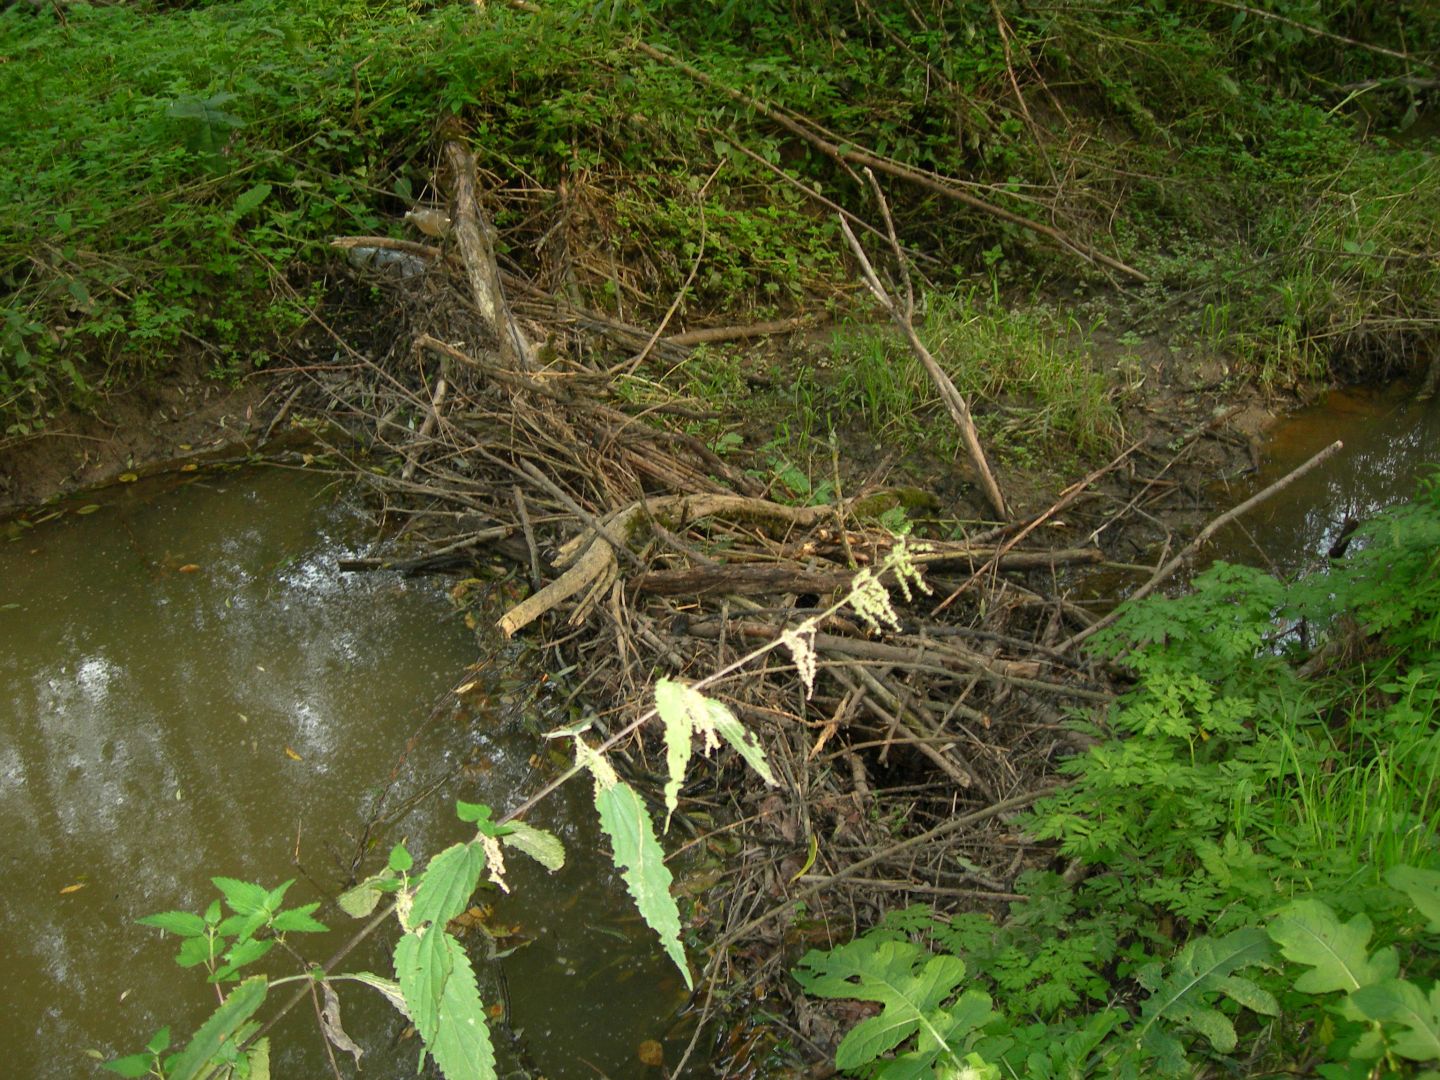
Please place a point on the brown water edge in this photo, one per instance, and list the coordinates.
(1390, 439)
(188, 688)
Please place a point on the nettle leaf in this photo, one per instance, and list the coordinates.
(447, 884)
(912, 984)
(439, 987)
(242, 1003)
(1404, 1003)
(542, 846)
(388, 988)
(250, 198)
(1423, 889)
(198, 950)
(243, 897)
(1200, 973)
(182, 923)
(299, 921)
(247, 952)
(1309, 933)
(638, 854)
(686, 712)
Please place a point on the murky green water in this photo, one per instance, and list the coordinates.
(188, 688)
(1389, 440)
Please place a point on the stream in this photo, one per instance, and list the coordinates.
(190, 688)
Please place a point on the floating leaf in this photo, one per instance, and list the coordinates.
(651, 1053)
(189, 568)
(89, 508)
(292, 755)
(128, 477)
(68, 889)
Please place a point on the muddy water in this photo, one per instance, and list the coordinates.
(1389, 440)
(189, 688)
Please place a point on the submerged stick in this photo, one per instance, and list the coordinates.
(1188, 551)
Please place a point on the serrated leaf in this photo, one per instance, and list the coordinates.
(242, 897)
(159, 1042)
(445, 887)
(195, 951)
(461, 1045)
(642, 865)
(742, 740)
(258, 1058)
(247, 952)
(1309, 933)
(542, 846)
(913, 986)
(276, 896)
(212, 913)
(251, 198)
(242, 1003)
(182, 923)
(1401, 1002)
(299, 921)
(400, 859)
(1423, 889)
(422, 965)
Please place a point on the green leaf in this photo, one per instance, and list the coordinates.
(242, 1003)
(299, 920)
(258, 1058)
(243, 897)
(175, 922)
(444, 1003)
(251, 198)
(687, 712)
(1200, 973)
(131, 1065)
(742, 740)
(212, 913)
(198, 950)
(915, 988)
(1402, 1002)
(542, 846)
(360, 901)
(400, 859)
(447, 884)
(642, 864)
(1423, 889)
(247, 952)
(1309, 933)
(159, 1042)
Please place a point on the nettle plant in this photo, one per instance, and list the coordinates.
(434, 985)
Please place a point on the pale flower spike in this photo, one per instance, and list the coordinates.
(801, 643)
(494, 860)
(871, 602)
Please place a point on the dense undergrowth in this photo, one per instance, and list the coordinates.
(1255, 860)
(172, 174)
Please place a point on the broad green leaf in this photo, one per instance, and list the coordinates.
(447, 884)
(299, 921)
(479, 815)
(1199, 974)
(1309, 933)
(1423, 889)
(198, 950)
(276, 896)
(243, 897)
(159, 1042)
(223, 1022)
(642, 864)
(914, 987)
(461, 1045)
(544, 847)
(258, 1057)
(422, 966)
(251, 198)
(175, 922)
(1403, 1003)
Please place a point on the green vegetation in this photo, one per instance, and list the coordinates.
(1267, 792)
(174, 174)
